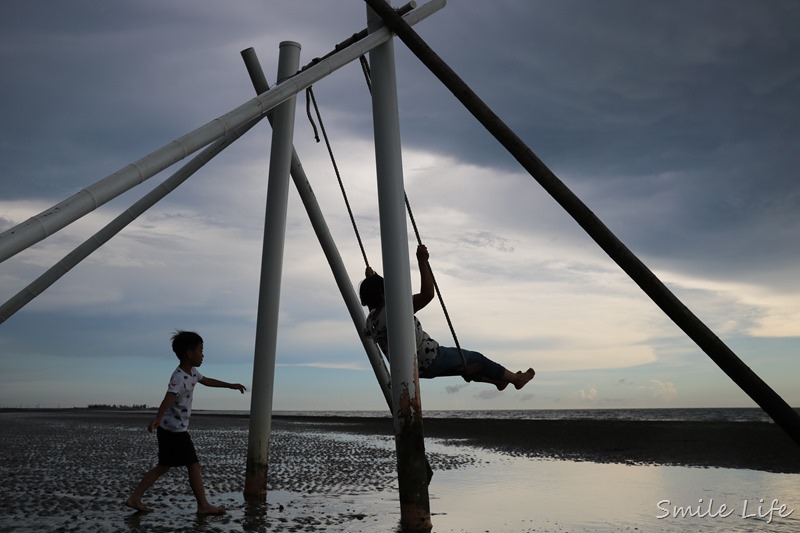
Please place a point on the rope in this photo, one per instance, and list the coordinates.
(438, 292)
(365, 68)
(310, 99)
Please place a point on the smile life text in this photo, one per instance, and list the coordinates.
(709, 509)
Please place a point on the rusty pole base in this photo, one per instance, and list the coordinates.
(412, 471)
(255, 483)
(415, 517)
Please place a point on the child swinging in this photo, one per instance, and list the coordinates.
(433, 360)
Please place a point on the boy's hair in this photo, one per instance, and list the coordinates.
(183, 341)
(371, 291)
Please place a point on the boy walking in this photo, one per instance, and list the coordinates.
(175, 447)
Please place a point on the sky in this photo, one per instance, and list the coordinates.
(677, 123)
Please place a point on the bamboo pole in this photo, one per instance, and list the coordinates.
(717, 350)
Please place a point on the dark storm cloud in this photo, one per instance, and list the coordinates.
(686, 111)
(676, 122)
(86, 86)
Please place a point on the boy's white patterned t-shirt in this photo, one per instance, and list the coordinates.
(426, 346)
(182, 384)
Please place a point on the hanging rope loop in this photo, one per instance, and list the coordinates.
(311, 100)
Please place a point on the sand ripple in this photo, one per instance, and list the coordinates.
(71, 472)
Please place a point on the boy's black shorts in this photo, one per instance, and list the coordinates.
(175, 448)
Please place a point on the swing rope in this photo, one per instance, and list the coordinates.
(311, 100)
(438, 292)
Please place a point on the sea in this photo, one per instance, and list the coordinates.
(723, 414)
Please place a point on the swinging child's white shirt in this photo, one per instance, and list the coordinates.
(182, 384)
(426, 346)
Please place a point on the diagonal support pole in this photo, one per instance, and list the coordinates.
(72, 259)
(717, 350)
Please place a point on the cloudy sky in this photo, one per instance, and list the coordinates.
(677, 123)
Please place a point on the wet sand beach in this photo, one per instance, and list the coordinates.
(71, 470)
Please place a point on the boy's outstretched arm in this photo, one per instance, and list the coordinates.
(211, 382)
(166, 403)
(426, 291)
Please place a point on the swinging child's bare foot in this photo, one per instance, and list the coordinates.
(501, 385)
(137, 504)
(522, 378)
(209, 509)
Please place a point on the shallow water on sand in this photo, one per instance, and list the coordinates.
(520, 494)
(72, 474)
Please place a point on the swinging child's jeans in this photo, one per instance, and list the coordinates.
(448, 363)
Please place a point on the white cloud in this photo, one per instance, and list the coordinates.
(663, 390)
(588, 395)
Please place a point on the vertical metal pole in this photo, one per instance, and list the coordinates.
(406, 403)
(255, 485)
(326, 240)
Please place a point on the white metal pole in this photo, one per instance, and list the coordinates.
(406, 402)
(270, 288)
(72, 259)
(326, 242)
(38, 227)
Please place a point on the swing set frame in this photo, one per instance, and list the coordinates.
(401, 388)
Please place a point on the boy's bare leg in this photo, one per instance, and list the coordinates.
(501, 384)
(520, 379)
(196, 482)
(134, 501)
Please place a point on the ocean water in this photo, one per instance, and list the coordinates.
(521, 494)
(734, 414)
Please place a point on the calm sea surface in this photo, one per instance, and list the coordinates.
(685, 414)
